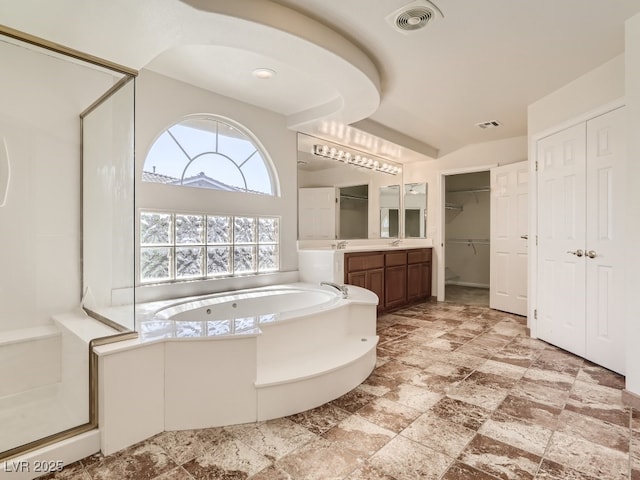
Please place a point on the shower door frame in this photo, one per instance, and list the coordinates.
(129, 74)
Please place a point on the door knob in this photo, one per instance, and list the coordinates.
(577, 253)
(524, 237)
(591, 254)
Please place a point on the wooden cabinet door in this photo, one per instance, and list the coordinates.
(425, 293)
(375, 283)
(395, 286)
(359, 279)
(415, 282)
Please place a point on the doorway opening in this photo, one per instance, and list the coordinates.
(467, 232)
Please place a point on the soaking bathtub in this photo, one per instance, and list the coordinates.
(237, 357)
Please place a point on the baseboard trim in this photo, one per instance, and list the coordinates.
(630, 399)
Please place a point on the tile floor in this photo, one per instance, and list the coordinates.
(466, 295)
(459, 392)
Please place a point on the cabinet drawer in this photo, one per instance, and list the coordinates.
(419, 256)
(395, 258)
(357, 262)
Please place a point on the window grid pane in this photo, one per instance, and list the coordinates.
(156, 228)
(218, 229)
(155, 264)
(184, 246)
(189, 229)
(244, 230)
(189, 262)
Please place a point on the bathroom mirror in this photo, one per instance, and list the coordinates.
(415, 210)
(389, 211)
(323, 164)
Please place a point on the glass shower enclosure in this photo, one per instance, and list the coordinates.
(67, 235)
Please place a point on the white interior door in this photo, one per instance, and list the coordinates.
(509, 220)
(317, 213)
(606, 160)
(561, 232)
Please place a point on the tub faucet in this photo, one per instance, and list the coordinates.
(341, 288)
(341, 245)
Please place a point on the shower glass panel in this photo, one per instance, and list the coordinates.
(44, 363)
(108, 267)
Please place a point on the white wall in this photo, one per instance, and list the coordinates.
(161, 102)
(588, 92)
(632, 309)
(40, 102)
(471, 157)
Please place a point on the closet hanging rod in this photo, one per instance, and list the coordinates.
(477, 241)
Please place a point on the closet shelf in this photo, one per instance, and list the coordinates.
(470, 190)
(453, 206)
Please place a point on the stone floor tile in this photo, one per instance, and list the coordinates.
(500, 459)
(588, 457)
(537, 392)
(418, 398)
(594, 430)
(398, 371)
(405, 459)
(550, 470)
(389, 414)
(518, 433)
(592, 373)
(143, 461)
(439, 434)
(319, 460)
(461, 471)
(460, 412)
(320, 419)
(359, 437)
(598, 401)
(530, 411)
(274, 438)
(354, 400)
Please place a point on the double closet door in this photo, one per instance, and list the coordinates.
(580, 239)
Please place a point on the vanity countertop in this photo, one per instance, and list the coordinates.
(368, 247)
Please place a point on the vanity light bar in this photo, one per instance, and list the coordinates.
(358, 160)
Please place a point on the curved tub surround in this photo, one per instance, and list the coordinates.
(233, 313)
(190, 372)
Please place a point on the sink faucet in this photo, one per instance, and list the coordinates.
(396, 242)
(341, 288)
(342, 244)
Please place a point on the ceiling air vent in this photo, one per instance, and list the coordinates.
(489, 124)
(414, 16)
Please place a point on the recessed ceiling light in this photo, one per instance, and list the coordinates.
(264, 73)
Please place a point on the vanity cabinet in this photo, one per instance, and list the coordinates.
(398, 277)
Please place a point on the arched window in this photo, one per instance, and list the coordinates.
(208, 151)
